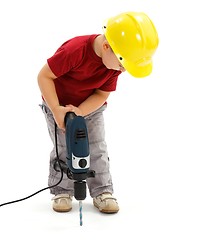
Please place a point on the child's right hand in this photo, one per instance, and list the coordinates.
(59, 113)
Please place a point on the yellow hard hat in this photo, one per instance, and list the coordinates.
(134, 39)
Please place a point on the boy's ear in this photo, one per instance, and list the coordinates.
(106, 45)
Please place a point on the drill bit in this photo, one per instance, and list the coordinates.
(80, 212)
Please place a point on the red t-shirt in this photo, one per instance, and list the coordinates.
(80, 71)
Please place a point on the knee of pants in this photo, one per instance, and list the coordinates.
(99, 157)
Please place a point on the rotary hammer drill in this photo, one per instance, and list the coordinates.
(77, 162)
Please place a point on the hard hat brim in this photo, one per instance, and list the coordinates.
(138, 71)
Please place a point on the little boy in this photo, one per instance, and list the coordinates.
(79, 78)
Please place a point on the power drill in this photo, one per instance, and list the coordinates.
(77, 162)
(78, 156)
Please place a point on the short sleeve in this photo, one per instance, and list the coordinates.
(59, 63)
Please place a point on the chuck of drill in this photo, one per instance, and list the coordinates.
(80, 190)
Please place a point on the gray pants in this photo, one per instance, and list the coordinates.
(99, 161)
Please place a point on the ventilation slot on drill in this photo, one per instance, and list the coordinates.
(80, 133)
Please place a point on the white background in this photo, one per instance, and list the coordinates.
(151, 124)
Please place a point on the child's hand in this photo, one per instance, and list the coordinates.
(74, 109)
(59, 113)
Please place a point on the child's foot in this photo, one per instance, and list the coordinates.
(106, 203)
(62, 203)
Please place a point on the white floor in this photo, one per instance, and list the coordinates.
(151, 125)
(35, 219)
(155, 203)
(145, 219)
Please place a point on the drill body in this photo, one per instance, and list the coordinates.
(78, 157)
(77, 162)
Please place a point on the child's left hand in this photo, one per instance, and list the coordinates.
(74, 109)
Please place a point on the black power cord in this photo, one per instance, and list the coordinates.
(41, 190)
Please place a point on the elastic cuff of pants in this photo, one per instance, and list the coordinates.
(58, 191)
(101, 191)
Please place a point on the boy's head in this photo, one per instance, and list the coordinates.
(132, 40)
(109, 59)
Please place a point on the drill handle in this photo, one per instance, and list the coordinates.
(69, 116)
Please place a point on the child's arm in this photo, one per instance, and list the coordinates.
(47, 87)
(92, 103)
